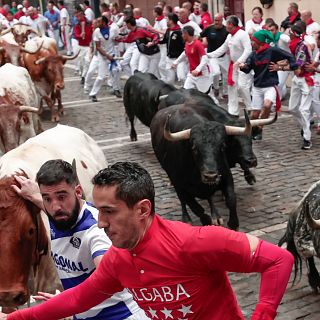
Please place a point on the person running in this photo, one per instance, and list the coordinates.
(174, 270)
(263, 60)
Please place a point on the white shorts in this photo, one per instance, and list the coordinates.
(259, 95)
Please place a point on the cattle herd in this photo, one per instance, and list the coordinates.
(195, 141)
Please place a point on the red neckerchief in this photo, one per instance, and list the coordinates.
(176, 27)
(310, 21)
(293, 17)
(34, 16)
(137, 17)
(110, 22)
(257, 21)
(263, 46)
(51, 11)
(234, 31)
(62, 7)
(197, 13)
(185, 22)
(293, 44)
(160, 18)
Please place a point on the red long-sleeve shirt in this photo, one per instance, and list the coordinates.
(139, 33)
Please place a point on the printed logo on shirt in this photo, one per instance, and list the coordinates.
(76, 242)
(67, 265)
(165, 294)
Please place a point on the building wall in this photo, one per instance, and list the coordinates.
(279, 9)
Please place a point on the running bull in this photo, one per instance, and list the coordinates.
(190, 147)
(303, 236)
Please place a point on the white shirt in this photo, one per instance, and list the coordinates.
(283, 42)
(238, 45)
(195, 17)
(106, 44)
(9, 24)
(161, 25)
(142, 22)
(313, 28)
(89, 14)
(197, 29)
(64, 14)
(252, 27)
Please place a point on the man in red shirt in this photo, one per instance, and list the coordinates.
(83, 33)
(147, 43)
(172, 269)
(206, 19)
(199, 70)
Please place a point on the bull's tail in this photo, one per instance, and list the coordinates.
(291, 246)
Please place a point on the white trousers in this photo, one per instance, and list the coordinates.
(223, 64)
(93, 68)
(84, 60)
(130, 60)
(202, 83)
(300, 104)
(66, 39)
(162, 62)
(242, 83)
(54, 34)
(282, 87)
(103, 71)
(315, 106)
(149, 63)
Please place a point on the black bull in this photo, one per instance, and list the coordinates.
(195, 158)
(144, 95)
(303, 236)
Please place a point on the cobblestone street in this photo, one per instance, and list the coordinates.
(284, 173)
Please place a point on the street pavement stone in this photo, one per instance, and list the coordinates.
(284, 173)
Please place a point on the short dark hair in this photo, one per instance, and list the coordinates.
(269, 21)
(86, 2)
(173, 17)
(51, 2)
(294, 5)
(133, 182)
(301, 25)
(273, 24)
(131, 5)
(204, 6)
(169, 8)
(189, 30)
(234, 20)
(56, 171)
(61, 2)
(105, 20)
(259, 9)
(297, 29)
(158, 10)
(131, 20)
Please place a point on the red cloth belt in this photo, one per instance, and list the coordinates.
(230, 72)
(278, 100)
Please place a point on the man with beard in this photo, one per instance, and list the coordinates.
(77, 244)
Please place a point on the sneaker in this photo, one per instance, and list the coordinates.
(93, 98)
(117, 93)
(306, 145)
(82, 80)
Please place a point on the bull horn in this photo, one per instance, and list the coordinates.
(71, 57)
(264, 122)
(28, 109)
(240, 131)
(313, 224)
(32, 52)
(31, 30)
(5, 32)
(41, 60)
(177, 136)
(163, 97)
